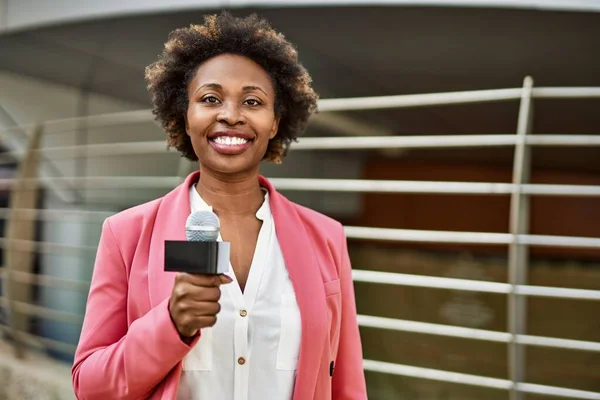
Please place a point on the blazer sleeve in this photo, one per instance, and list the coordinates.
(348, 378)
(114, 360)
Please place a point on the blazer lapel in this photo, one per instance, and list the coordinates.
(305, 274)
(168, 225)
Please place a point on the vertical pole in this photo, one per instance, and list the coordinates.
(22, 196)
(518, 254)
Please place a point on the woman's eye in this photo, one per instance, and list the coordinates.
(252, 102)
(210, 99)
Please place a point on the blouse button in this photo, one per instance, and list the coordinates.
(241, 361)
(243, 313)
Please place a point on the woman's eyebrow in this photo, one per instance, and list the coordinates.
(251, 88)
(209, 85)
(248, 88)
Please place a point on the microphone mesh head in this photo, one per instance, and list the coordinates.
(198, 219)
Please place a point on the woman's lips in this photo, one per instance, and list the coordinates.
(229, 145)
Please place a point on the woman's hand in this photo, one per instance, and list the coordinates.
(194, 302)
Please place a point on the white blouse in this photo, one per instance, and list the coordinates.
(251, 353)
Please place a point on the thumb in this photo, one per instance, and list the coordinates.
(225, 279)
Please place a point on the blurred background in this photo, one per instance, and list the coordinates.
(458, 142)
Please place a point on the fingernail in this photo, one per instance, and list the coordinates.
(228, 277)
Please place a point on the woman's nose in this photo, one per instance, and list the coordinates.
(231, 114)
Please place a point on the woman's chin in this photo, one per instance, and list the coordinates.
(232, 165)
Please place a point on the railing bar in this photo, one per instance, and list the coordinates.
(405, 142)
(563, 140)
(473, 334)
(434, 282)
(425, 236)
(418, 100)
(54, 214)
(65, 348)
(556, 391)
(429, 236)
(440, 141)
(329, 143)
(557, 292)
(44, 280)
(559, 241)
(432, 329)
(38, 341)
(565, 92)
(42, 312)
(388, 186)
(92, 121)
(473, 380)
(560, 190)
(558, 343)
(106, 149)
(338, 143)
(102, 182)
(436, 375)
(356, 232)
(399, 186)
(43, 247)
(334, 185)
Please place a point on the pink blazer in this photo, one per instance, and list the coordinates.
(129, 347)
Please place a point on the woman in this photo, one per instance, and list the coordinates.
(229, 94)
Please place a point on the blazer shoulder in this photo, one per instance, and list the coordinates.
(315, 217)
(127, 226)
(320, 225)
(135, 215)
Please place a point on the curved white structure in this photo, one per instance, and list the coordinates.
(19, 15)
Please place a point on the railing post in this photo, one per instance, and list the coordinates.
(518, 257)
(23, 195)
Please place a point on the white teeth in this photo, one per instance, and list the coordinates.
(230, 141)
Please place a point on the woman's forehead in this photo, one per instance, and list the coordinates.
(232, 72)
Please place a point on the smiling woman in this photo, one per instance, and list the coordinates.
(229, 94)
(170, 78)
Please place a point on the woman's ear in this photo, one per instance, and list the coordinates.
(273, 130)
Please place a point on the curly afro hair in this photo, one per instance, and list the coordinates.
(252, 37)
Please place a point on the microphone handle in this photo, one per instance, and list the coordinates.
(197, 257)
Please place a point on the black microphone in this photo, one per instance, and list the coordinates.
(201, 253)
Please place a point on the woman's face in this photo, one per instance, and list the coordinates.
(231, 114)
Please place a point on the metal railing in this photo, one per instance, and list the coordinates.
(518, 239)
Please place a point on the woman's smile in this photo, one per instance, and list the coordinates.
(230, 142)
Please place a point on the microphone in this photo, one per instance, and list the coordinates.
(202, 226)
(201, 253)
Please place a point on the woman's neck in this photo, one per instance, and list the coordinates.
(231, 195)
